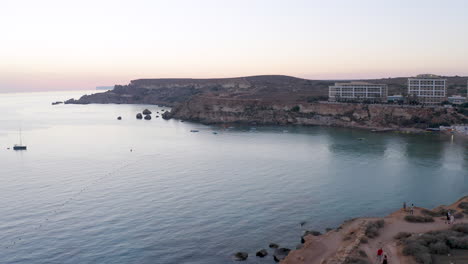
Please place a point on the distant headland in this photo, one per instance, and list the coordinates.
(286, 100)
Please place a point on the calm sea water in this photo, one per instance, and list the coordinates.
(79, 195)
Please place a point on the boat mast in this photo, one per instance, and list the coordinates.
(21, 138)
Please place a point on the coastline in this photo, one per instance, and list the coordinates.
(353, 242)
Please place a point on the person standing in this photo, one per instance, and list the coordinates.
(452, 219)
(404, 206)
(385, 259)
(379, 255)
(448, 217)
(412, 209)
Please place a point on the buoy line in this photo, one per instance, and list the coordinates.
(55, 212)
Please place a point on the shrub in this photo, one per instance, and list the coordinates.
(440, 212)
(439, 248)
(419, 219)
(364, 240)
(351, 260)
(380, 223)
(463, 205)
(372, 232)
(402, 235)
(418, 251)
(372, 229)
(462, 228)
(458, 215)
(295, 108)
(458, 242)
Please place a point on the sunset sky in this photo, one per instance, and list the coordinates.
(80, 44)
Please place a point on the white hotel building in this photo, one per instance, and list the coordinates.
(357, 91)
(428, 88)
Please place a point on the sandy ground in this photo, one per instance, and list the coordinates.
(332, 247)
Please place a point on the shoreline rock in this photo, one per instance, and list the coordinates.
(241, 256)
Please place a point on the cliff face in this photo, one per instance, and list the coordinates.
(210, 110)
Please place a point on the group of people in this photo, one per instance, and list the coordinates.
(382, 257)
(411, 211)
(450, 218)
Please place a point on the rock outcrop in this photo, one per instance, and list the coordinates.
(262, 253)
(211, 110)
(240, 256)
(280, 254)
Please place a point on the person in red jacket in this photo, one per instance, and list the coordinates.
(379, 255)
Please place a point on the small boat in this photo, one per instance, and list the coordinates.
(194, 131)
(20, 146)
(214, 132)
(361, 138)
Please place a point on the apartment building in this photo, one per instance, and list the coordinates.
(428, 88)
(357, 91)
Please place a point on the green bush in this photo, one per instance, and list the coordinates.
(463, 205)
(295, 108)
(372, 229)
(439, 248)
(462, 228)
(418, 251)
(402, 235)
(458, 242)
(418, 219)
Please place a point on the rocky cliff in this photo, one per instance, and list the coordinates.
(273, 99)
(211, 110)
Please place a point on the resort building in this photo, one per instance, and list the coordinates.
(358, 92)
(427, 88)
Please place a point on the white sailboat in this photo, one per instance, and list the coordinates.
(20, 146)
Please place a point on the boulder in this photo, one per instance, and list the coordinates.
(262, 253)
(119, 118)
(147, 117)
(312, 232)
(146, 112)
(139, 116)
(273, 245)
(166, 116)
(241, 256)
(280, 254)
